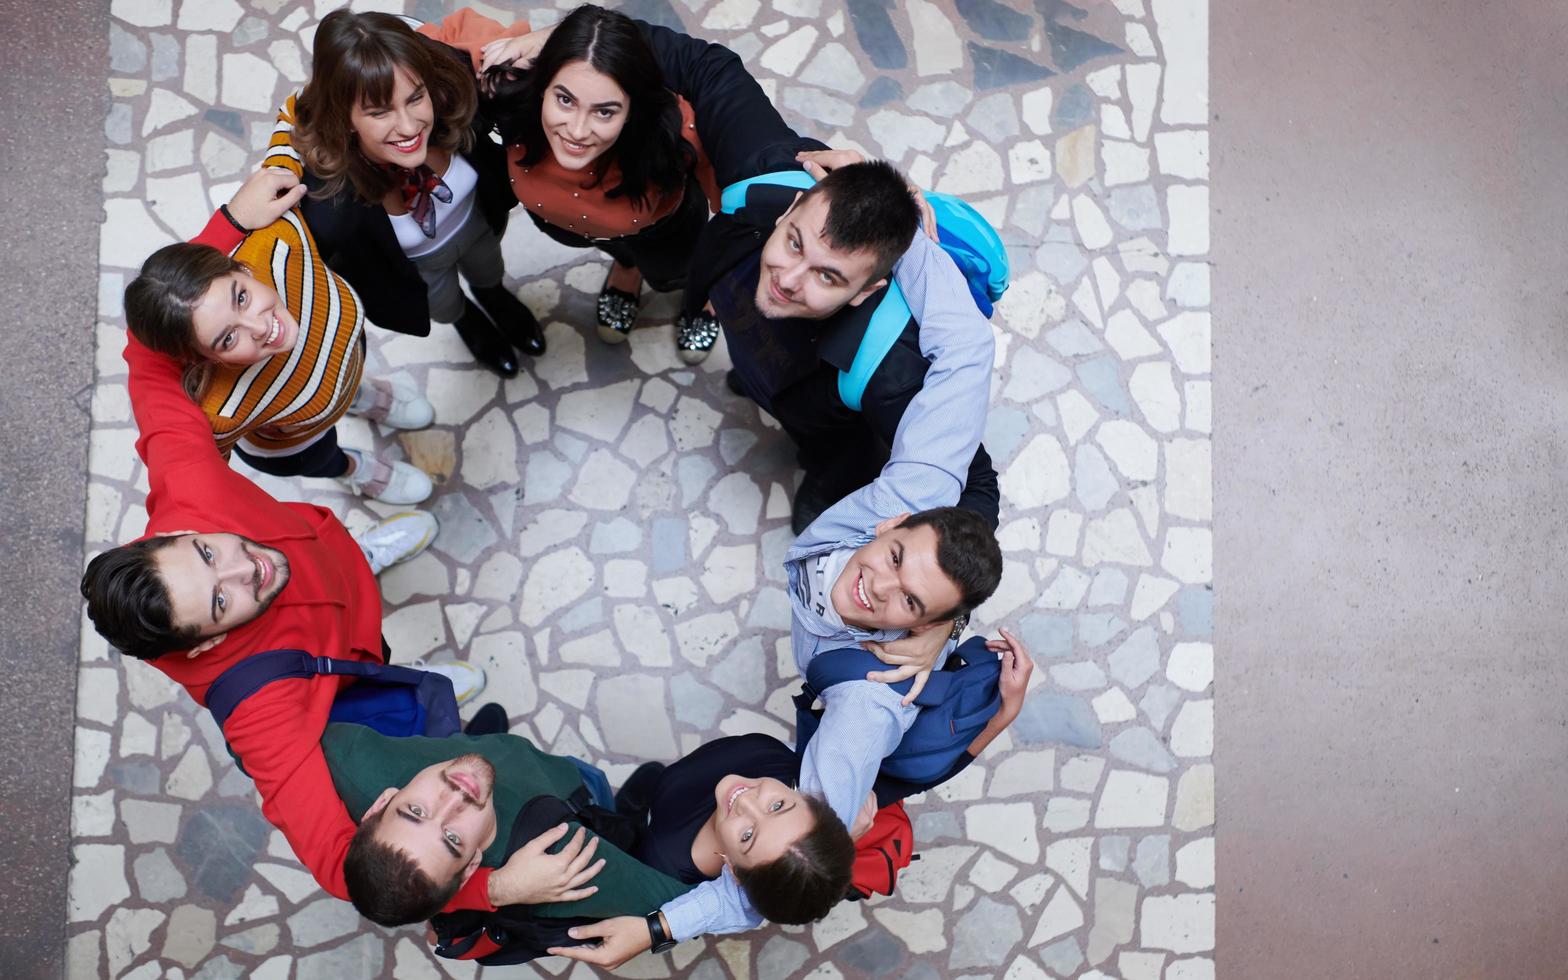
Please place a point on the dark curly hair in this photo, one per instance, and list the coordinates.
(611, 44)
(355, 62)
(804, 883)
(128, 601)
(385, 884)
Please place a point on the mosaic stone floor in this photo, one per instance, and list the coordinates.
(613, 521)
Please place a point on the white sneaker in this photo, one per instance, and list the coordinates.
(397, 539)
(467, 679)
(390, 481)
(392, 403)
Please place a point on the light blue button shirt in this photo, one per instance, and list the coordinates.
(863, 721)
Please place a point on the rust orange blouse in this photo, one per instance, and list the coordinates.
(573, 200)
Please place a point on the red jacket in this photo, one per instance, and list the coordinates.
(331, 606)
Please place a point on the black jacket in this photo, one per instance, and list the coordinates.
(358, 243)
(791, 367)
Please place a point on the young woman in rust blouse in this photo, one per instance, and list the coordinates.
(569, 99)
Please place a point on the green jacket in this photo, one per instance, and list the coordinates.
(364, 762)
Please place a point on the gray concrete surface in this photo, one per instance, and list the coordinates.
(51, 150)
(1391, 371)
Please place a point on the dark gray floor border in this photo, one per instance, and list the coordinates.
(1391, 398)
(54, 96)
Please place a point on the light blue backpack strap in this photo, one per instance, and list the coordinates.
(887, 322)
(734, 196)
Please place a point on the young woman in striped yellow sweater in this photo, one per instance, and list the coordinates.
(274, 348)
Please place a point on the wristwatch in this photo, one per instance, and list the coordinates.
(662, 943)
(960, 623)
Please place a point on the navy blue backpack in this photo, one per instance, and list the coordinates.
(955, 705)
(395, 701)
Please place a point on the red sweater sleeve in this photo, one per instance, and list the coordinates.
(475, 893)
(276, 732)
(174, 431)
(470, 31)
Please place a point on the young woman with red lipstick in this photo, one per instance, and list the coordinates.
(273, 344)
(618, 135)
(407, 190)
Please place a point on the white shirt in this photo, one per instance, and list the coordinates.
(461, 180)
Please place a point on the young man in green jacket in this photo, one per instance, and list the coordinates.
(432, 811)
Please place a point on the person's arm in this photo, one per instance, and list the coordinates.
(275, 735)
(742, 133)
(280, 147)
(862, 723)
(471, 32)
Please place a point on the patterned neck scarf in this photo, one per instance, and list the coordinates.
(421, 189)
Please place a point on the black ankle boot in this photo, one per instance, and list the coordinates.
(516, 322)
(485, 342)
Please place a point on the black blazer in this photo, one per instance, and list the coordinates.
(357, 241)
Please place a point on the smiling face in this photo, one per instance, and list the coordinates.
(804, 275)
(757, 820)
(893, 582)
(218, 582)
(240, 320)
(444, 817)
(399, 131)
(583, 114)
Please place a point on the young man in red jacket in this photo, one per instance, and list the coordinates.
(225, 571)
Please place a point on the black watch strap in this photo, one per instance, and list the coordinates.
(662, 942)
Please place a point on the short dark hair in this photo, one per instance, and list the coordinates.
(159, 301)
(658, 159)
(966, 551)
(385, 884)
(128, 601)
(869, 207)
(807, 880)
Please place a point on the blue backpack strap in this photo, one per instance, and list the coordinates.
(251, 675)
(733, 197)
(888, 321)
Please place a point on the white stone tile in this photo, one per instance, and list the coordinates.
(784, 57)
(975, 169)
(1189, 554)
(1194, 799)
(1188, 478)
(1192, 733)
(249, 83)
(731, 15)
(1036, 110)
(1195, 864)
(1188, 207)
(1069, 858)
(1187, 335)
(1184, 34)
(1143, 82)
(938, 46)
(1183, 153)
(1132, 799)
(1150, 594)
(1093, 230)
(1113, 706)
(1130, 448)
(1154, 391)
(1125, 163)
(1029, 161)
(92, 815)
(97, 880)
(920, 932)
(1062, 915)
(1038, 475)
(554, 581)
(143, 13)
(1180, 923)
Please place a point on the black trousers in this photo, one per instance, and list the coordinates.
(321, 458)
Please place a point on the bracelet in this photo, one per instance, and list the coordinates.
(661, 939)
(960, 622)
(223, 209)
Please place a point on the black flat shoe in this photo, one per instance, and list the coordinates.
(516, 322)
(617, 311)
(695, 336)
(485, 342)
